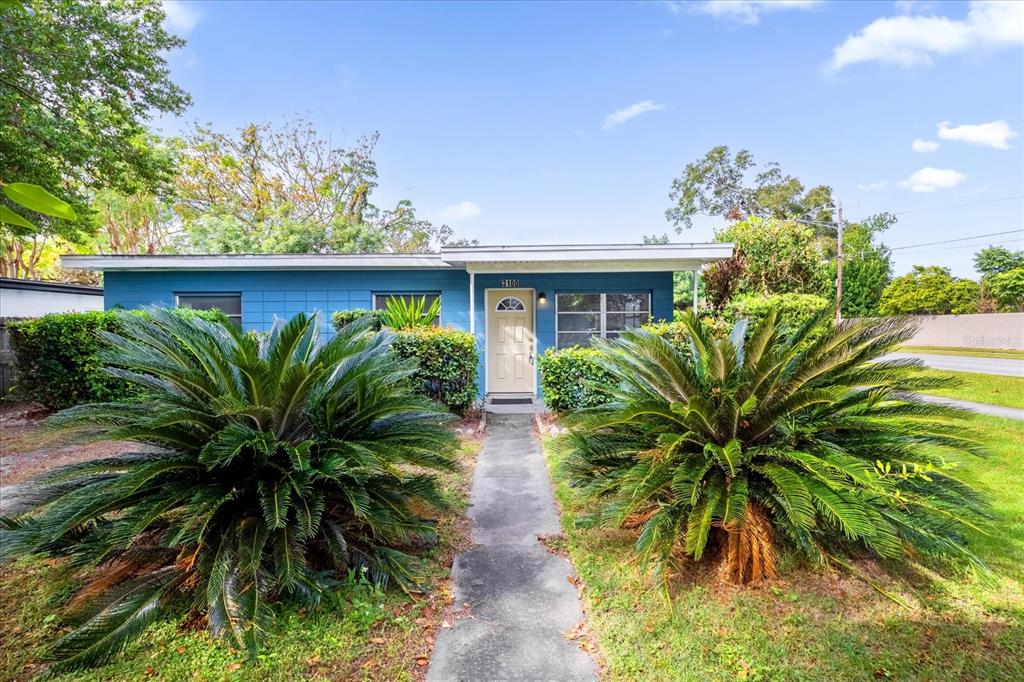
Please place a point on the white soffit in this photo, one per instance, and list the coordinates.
(258, 262)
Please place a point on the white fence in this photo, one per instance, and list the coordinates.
(995, 330)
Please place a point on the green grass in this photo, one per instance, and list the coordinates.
(972, 352)
(366, 634)
(982, 388)
(809, 625)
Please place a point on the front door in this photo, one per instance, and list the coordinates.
(510, 341)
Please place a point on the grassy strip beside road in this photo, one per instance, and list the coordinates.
(969, 352)
(811, 625)
(982, 388)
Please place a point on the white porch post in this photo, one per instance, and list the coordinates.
(696, 274)
(472, 303)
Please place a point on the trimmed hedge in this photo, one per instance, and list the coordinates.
(448, 360)
(793, 309)
(56, 356)
(571, 380)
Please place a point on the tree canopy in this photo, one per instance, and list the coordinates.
(287, 188)
(930, 290)
(993, 260)
(723, 185)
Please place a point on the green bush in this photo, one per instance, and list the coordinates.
(571, 380)
(341, 318)
(57, 359)
(930, 290)
(447, 359)
(792, 309)
(270, 473)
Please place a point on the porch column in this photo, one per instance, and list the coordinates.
(472, 303)
(696, 274)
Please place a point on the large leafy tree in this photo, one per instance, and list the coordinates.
(993, 260)
(784, 437)
(78, 83)
(867, 269)
(287, 188)
(732, 187)
(265, 468)
(930, 290)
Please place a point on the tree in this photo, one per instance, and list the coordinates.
(779, 256)
(289, 189)
(78, 83)
(993, 260)
(867, 269)
(719, 184)
(1008, 289)
(266, 469)
(930, 290)
(138, 223)
(734, 447)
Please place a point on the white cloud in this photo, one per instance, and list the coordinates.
(745, 11)
(632, 111)
(464, 210)
(995, 134)
(913, 40)
(924, 146)
(182, 17)
(929, 179)
(873, 186)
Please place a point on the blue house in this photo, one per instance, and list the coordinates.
(517, 300)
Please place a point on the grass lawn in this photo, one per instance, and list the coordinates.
(811, 625)
(366, 635)
(974, 352)
(982, 388)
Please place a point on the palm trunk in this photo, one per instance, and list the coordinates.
(750, 554)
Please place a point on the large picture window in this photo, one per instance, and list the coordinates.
(229, 304)
(582, 317)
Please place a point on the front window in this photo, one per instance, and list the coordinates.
(582, 317)
(229, 304)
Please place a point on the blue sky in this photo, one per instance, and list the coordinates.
(566, 122)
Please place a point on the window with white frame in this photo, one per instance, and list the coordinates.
(228, 303)
(582, 317)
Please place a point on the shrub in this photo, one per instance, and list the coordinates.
(570, 379)
(792, 309)
(1008, 289)
(400, 313)
(57, 356)
(774, 440)
(340, 318)
(265, 470)
(930, 290)
(447, 361)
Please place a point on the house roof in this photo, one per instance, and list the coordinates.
(40, 285)
(510, 258)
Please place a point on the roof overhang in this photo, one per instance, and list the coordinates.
(520, 259)
(586, 257)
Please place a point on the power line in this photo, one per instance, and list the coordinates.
(965, 246)
(961, 239)
(973, 203)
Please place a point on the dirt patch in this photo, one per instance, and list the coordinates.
(27, 448)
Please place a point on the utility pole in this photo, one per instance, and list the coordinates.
(840, 226)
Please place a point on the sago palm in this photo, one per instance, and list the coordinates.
(800, 437)
(267, 467)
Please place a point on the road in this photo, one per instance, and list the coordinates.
(960, 363)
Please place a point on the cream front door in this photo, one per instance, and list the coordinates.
(510, 341)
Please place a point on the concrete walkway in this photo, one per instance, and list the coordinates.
(980, 408)
(520, 599)
(962, 363)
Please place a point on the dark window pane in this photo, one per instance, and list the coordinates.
(581, 303)
(229, 304)
(573, 339)
(628, 302)
(579, 322)
(620, 321)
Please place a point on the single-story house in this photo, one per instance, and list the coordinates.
(35, 298)
(517, 300)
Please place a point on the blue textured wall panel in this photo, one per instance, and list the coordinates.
(270, 294)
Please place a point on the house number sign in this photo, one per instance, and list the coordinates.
(510, 283)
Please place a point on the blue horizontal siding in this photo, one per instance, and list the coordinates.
(267, 295)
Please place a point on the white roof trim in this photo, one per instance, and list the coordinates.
(526, 258)
(258, 262)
